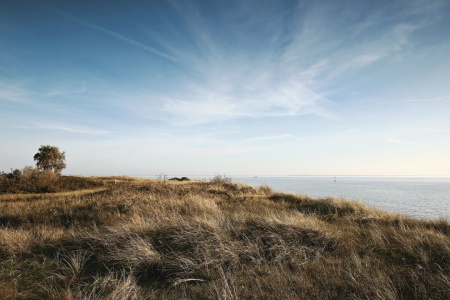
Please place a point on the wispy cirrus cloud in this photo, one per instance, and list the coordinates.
(444, 98)
(65, 128)
(62, 91)
(270, 138)
(423, 100)
(267, 65)
(215, 101)
(228, 82)
(279, 77)
(112, 34)
(397, 139)
(14, 93)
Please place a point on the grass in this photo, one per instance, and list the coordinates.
(150, 239)
(43, 196)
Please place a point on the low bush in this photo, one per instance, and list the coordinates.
(28, 180)
(220, 179)
(33, 180)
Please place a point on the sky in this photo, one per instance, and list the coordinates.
(227, 87)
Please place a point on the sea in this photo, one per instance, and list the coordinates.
(419, 197)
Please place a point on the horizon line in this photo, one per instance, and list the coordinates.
(271, 175)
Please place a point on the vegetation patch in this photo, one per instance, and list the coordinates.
(33, 181)
(161, 239)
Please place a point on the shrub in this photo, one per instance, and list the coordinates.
(220, 179)
(265, 190)
(33, 180)
(28, 180)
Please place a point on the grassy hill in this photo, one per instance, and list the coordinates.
(148, 239)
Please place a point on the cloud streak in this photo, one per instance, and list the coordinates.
(278, 78)
(229, 82)
(13, 93)
(444, 98)
(395, 139)
(113, 34)
(66, 91)
(219, 78)
(66, 128)
(424, 100)
(269, 138)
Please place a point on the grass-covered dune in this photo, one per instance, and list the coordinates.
(144, 239)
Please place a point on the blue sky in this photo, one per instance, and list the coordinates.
(228, 87)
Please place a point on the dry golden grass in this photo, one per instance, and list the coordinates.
(149, 239)
(43, 196)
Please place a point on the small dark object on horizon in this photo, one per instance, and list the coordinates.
(179, 179)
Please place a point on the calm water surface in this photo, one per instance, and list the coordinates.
(419, 197)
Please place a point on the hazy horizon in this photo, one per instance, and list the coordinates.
(228, 87)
